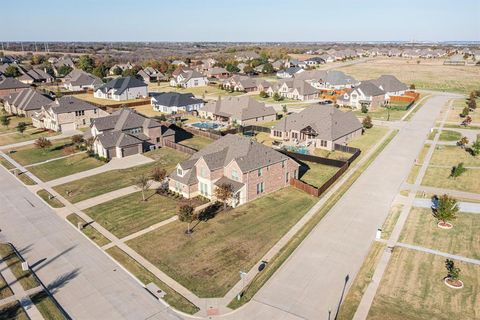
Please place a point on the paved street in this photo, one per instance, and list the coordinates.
(86, 282)
(312, 280)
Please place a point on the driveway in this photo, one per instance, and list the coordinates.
(319, 273)
(84, 280)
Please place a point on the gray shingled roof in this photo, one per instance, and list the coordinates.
(389, 83)
(28, 100)
(329, 122)
(236, 185)
(370, 89)
(82, 78)
(68, 104)
(241, 108)
(121, 84)
(12, 83)
(248, 154)
(175, 99)
(124, 119)
(117, 139)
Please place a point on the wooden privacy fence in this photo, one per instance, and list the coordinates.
(317, 192)
(180, 147)
(203, 133)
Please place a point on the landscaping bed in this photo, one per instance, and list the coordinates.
(208, 261)
(92, 186)
(129, 214)
(65, 167)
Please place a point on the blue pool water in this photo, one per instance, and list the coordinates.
(301, 150)
(205, 125)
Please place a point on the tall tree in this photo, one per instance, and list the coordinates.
(11, 71)
(268, 68)
(86, 63)
(143, 182)
(447, 209)
(64, 70)
(186, 214)
(224, 192)
(159, 174)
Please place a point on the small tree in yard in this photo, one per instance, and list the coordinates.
(453, 274)
(475, 149)
(159, 174)
(42, 143)
(186, 214)
(472, 104)
(89, 143)
(77, 140)
(446, 211)
(21, 127)
(68, 151)
(465, 112)
(263, 94)
(277, 97)
(462, 142)
(5, 120)
(412, 86)
(364, 109)
(367, 122)
(224, 193)
(143, 182)
(457, 170)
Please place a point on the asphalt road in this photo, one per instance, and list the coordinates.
(84, 280)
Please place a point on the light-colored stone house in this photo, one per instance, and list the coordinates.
(250, 168)
(318, 127)
(367, 94)
(189, 79)
(241, 110)
(25, 102)
(121, 89)
(125, 133)
(66, 114)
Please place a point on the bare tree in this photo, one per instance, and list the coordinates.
(42, 143)
(143, 182)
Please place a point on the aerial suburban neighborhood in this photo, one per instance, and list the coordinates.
(256, 160)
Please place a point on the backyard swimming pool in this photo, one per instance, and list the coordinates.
(302, 150)
(206, 125)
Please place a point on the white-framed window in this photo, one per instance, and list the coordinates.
(287, 177)
(260, 187)
(260, 172)
(80, 113)
(180, 172)
(323, 143)
(283, 164)
(235, 175)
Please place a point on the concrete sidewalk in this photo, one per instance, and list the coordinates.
(469, 207)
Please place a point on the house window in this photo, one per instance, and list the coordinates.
(260, 188)
(95, 111)
(295, 174)
(323, 143)
(286, 177)
(260, 171)
(283, 164)
(80, 113)
(180, 172)
(83, 121)
(136, 130)
(203, 189)
(235, 175)
(203, 172)
(277, 133)
(178, 186)
(158, 139)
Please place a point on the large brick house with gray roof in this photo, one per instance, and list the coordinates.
(318, 127)
(250, 168)
(125, 133)
(26, 102)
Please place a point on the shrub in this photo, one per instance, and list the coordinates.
(367, 122)
(364, 109)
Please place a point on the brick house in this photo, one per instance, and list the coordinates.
(125, 133)
(25, 102)
(11, 85)
(66, 114)
(318, 127)
(250, 168)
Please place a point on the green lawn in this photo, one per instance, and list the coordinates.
(316, 174)
(207, 261)
(172, 297)
(14, 120)
(360, 283)
(47, 306)
(65, 167)
(366, 141)
(129, 214)
(45, 195)
(89, 187)
(16, 137)
(449, 135)
(332, 154)
(31, 154)
(463, 239)
(196, 142)
(453, 155)
(26, 278)
(89, 231)
(440, 178)
(412, 288)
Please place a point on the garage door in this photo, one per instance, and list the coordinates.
(128, 151)
(67, 127)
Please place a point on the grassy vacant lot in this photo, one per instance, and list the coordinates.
(33, 134)
(382, 113)
(172, 297)
(46, 306)
(463, 239)
(13, 311)
(129, 214)
(412, 288)
(26, 278)
(196, 142)
(458, 105)
(453, 155)
(440, 178)
(207, 262)
(449, 135)
(45, 195)
(65, 167)
(428, 74)
(86, 188)
(89, 231)
(106, 102)
(359, 285)
(31, 154)
(316, 174)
